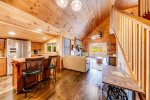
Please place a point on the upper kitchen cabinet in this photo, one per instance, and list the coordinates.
(2, 44)
(36, 46)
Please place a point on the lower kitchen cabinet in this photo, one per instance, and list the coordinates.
(2, 44)
(2, 66)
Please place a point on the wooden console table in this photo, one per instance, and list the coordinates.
(116, 78)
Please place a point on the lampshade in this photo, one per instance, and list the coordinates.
(62, 3)
(76, 5)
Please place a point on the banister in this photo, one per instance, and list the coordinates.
(142, 21)
(133, 36)
(129, 68)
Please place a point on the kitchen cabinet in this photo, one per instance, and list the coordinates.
(36, 46)
(2, 44)
(2, 66)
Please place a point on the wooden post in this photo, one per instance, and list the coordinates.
(147, 65)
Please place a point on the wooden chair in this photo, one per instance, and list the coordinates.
(33, 68)
(52, 64)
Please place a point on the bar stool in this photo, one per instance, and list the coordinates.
(52, 63)
(33, 68)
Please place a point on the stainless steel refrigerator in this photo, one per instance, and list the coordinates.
(16, 49)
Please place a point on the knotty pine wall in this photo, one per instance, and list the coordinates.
(107, 38)
(133, 10)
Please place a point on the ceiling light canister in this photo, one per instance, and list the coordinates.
(11, 33)
(62, 3)
(76, 5)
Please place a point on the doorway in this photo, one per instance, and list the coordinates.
(97, 55)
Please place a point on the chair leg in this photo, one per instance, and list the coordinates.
(25, 86)
(40, 79)
(45, 77)
(37, 78)
(54, 74)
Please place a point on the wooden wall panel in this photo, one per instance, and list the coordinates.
(106, 38)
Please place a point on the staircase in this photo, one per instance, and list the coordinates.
(133, 37)
(144, 7)
(147, 16)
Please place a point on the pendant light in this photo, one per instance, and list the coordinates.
(62, 3)
(76, 5)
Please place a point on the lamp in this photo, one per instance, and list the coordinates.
(62, 3)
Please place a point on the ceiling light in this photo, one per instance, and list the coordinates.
(93, 38)
(11, 33)
(44, 38)
(76, 5)
(39, 30)
(62, 3)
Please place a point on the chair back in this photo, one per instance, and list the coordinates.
(34, 63)
(54, 60)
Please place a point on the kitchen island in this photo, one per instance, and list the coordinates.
(19, 65)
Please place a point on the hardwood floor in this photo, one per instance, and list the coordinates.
(5, 84)
(95, 65)
(70, 85)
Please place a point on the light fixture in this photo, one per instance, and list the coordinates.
(76, 5)
(39, 30)
(44, 38)
(93, 38)
(62, 3)
(11, 33)
(96, 36)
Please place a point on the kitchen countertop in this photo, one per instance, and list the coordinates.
(2, 57)
(22, 60)
(116, 76)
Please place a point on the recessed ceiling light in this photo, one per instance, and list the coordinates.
(11, 33)
(44, 38)
(39, 30)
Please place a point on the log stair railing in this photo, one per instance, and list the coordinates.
(133, 35)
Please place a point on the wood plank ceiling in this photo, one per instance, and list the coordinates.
(73, 23)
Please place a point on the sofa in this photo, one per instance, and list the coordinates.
(77, 63)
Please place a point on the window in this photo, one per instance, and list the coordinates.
(67, 46)
(51, 47)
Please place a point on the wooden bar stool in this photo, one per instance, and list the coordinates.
(33, 68)
(52, 64)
